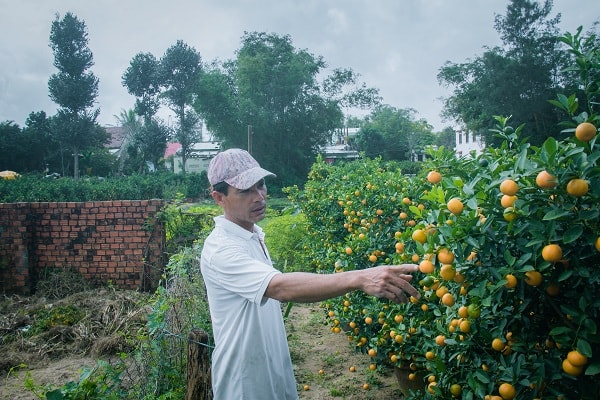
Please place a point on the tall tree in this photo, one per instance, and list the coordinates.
(516, 79)
(394, 134)
(149, 139)
(11, 146)
(131, 124)
(180, 69)
(74, 88)
(44, 149)
(269, 99)
(447, 138)
(142, 79)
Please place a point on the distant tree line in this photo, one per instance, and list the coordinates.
(517, 79)
(282, 103)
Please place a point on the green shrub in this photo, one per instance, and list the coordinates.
(178, 305)
(184, 224)
(410, 167)
(160, 185)
(47, 318)
(103, 382)
(284, 237)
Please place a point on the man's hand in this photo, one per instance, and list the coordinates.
(390, 281)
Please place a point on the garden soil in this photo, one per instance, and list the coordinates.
(322, 359)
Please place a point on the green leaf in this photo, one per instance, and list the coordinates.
(54, 395)
(593, 369)
(523, 160)
(572, 234)
(560, 330)
(549, 149)
(510, 260)
(523, 259)
(486, 302)
(555, 214)
(415, 210)
(584, 347)
(557, 104)
(481, 377)
(471, 241)
(588, 215)
(565, 275)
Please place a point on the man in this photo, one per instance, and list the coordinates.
(251, 359)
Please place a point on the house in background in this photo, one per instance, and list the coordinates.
(118, 134)
(340, 150)
(467, 142)
(202, 153)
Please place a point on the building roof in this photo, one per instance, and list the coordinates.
(200, 149)
(117, 135)
(172, 149)
(339, 151)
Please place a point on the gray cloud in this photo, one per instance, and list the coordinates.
(396, 46)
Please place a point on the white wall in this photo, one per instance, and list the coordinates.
(466, 142)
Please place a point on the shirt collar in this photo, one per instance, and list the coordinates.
(224, 223)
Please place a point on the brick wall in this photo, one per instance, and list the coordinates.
(117, 241)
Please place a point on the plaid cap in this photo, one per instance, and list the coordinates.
(237, 168)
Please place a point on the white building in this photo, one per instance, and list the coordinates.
(466, 143)
(197, 162)
(336, 152)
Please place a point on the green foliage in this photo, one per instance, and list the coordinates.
(393, 134)
(160, 185)
(180, 69)
(585, 54)
(342, 209)
(171, 80)
(184, 225)
(410, 167)
(271, 86)
(43, 149)
(285, 236)
(47, 318)
(74, 89)
(516, 79)
(177, 306)
(102, 382)
(142, 80)
(366, 213)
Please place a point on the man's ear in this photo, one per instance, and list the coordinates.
(217, 196)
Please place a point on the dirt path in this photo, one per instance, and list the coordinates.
(56, 372)
(313, 347)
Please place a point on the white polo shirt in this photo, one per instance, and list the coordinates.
(251, 359)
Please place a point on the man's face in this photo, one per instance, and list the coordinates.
(244, 207)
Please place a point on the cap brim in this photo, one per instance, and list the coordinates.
(248, 178)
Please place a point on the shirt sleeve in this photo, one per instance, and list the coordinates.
(241, 273)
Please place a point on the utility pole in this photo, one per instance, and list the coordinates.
(250, 139)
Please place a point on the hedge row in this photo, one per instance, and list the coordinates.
(163, 185)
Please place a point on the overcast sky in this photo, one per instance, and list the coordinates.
(397, 46)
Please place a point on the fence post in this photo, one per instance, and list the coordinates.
(198, 385)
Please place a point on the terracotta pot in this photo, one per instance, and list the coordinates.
(406, 385)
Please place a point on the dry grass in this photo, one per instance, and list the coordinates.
(110, 320)
(314, 348)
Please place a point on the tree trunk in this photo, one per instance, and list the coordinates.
(198, 385)
(76, 164)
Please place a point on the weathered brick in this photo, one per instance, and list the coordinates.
(102, 240)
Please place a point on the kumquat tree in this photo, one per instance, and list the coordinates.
(508, 248)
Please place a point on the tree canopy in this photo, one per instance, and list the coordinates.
(515, 80)
(74, 88)
(170, 81)
(394, 134)
(269, 99)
